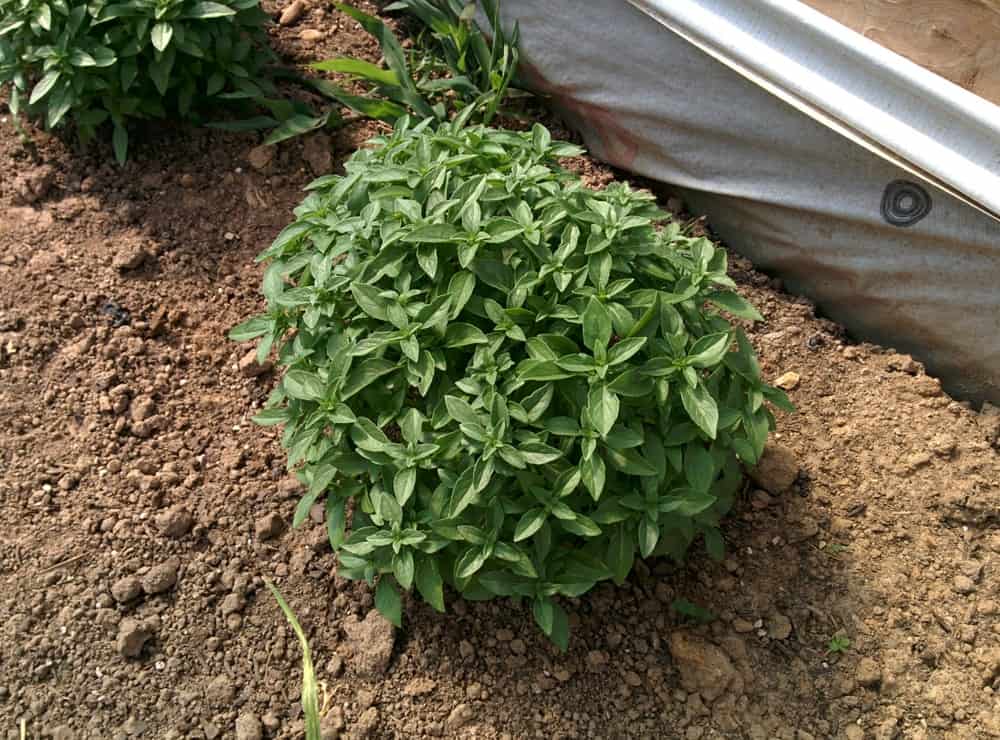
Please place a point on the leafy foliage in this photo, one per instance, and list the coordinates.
(521, 384)
(463, 69)
(97, 61)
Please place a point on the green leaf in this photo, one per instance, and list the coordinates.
(363, 375)
(701, 407)
(734, 304)
(207, 9)
(649, 535)
(295, 126)
(403, 484)
(387, 601)
(403, 567)
(603, 407)
(44, 85)
(161, 35)
(304, 385)
(461, 335)
(429, 583)
(159, 70)
(119, 141)
(544, 613)
(699, 467)
(303, 508)
(310, 688)
(625, 349)
(251, 329)
(709, 350)
(529, 523)
(685, 608)
(596, 326)
(715, 546)
(594, 475)
(560, 628)
(336, 521)
(358, 68)
(433, 234)
(621, 553)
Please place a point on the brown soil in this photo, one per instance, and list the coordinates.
(124, 410)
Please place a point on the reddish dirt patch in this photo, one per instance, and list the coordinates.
(140, 510)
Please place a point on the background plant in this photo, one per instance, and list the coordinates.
(460, 68)
(520, 384)
(91, 62)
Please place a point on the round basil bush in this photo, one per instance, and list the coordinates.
(101, 61)
(516, 384)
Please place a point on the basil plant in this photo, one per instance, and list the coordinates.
(98, 61)
(500, 379)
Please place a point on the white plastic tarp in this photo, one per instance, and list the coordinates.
(863, 180)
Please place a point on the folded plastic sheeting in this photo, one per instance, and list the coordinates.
(864, 181)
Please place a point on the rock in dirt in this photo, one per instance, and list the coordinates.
(125, 589)
(703, 666)
(317, 151)
(248, 727)
(221, 691)
(459, 717)
(989, 422)
(311, 35)
(142, 408)
(369, 643)
(332, 723)
(129, 257)
(869, 673)
(232, 604)
(291, 14)
(269, 526)
(779, 627)
(963, 585)
(161, 578)
(777, 469)
(419, 686)
(788, 381)
(133, 635)
(365, 727)
(34, 184)
(250, 368)
(260, 157)
(175, 522)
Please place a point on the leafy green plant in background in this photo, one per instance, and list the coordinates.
(520, 383)
(462, 69)
(92, 62)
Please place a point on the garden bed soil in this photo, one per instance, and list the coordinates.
(140, 510)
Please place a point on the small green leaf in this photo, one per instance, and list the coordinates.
(596, 326)
(161, 35)
(403, 567)
(429, 583)
(387, 601)
(303, 508)
(529, 523)
(701, 407)
(734, 304)
(603, 407)
(461, 335)
(303, 385)
(119, 140)
(358, 68)
(44, 85)
(336, 521)
(207, 9)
